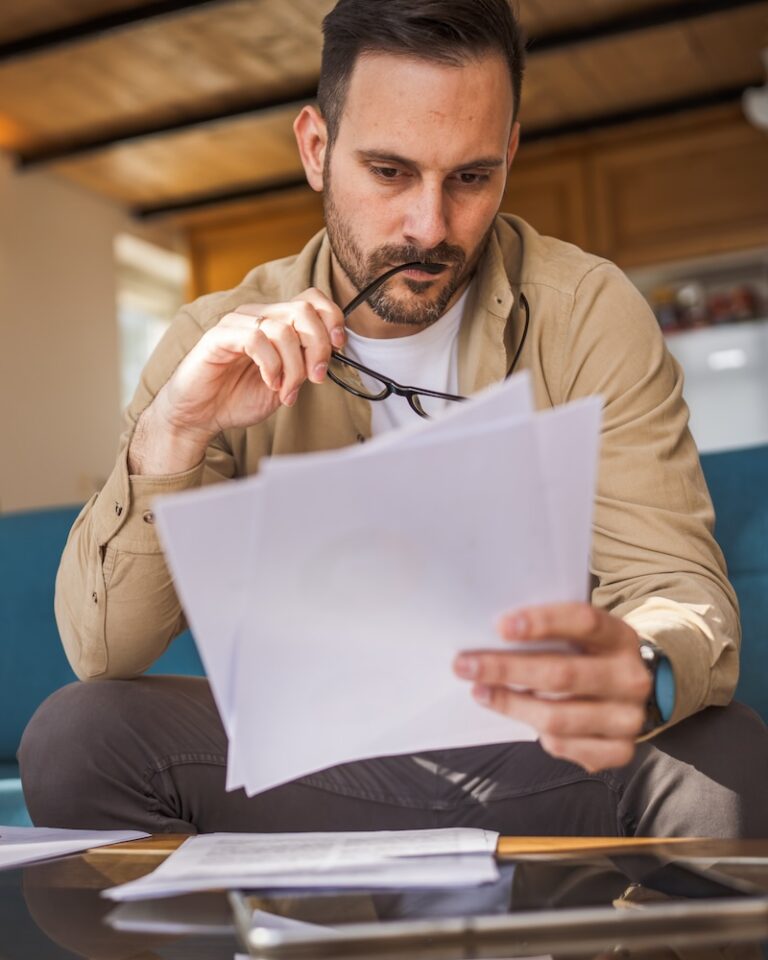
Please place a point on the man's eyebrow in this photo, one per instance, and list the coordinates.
(389, 157)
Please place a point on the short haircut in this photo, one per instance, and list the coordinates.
(443, 31)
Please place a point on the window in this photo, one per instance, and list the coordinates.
(152, 284)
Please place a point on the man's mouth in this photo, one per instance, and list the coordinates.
(425, 271)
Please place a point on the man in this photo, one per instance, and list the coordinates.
(415, 133)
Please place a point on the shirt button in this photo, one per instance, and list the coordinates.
(148, 516)
(95, 597)
(360, 438)
(118, 508)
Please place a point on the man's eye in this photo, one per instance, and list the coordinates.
(386, 173)
(473, 179)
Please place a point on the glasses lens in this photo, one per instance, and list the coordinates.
(356, 381)
(429, 406)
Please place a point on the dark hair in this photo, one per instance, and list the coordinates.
(444, 31)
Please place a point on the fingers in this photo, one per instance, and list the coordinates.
(566, 719)
(591, 753)
(620, 674)
(293, 340)
(237, 336)
(588, 707)
(594, 734)
(329, 313)
(582, 622)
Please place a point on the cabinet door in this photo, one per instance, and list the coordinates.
(686, 192)
(224, 250)
(548, 190)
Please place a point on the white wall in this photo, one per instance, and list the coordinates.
(59, 364)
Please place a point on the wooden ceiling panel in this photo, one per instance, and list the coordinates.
(542, 17)
(226, 56)
(230, 155)
(655, 66)
(730, 53)
(212, 57)
(25, 18)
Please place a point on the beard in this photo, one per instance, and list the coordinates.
(418, 310)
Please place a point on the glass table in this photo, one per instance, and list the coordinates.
(53, 910)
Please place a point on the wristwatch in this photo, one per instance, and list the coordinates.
(661, 701)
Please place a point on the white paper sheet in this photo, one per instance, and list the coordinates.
(366, 609)
(222, 521)
(23, 845)
(380, 859)
(356, 575)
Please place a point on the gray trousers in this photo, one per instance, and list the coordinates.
(151, 753)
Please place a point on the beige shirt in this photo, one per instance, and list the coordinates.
(654, 560)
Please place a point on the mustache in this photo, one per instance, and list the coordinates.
(409, 253)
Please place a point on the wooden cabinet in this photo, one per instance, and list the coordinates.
(694, 189)
(651, 192)
(225, 246)
(548, 189)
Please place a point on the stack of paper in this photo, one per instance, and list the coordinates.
(330, 594)
(375, 860)
(23, 845)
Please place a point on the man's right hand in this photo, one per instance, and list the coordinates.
(237, 375)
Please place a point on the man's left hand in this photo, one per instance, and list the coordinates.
(588, 706)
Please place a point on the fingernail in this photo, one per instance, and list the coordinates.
(517, 625)
(482, 694)
(291, 398)
(338, 336)
(467, 667)
(320, 370)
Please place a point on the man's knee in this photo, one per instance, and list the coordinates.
(69, 742)
(713, 767)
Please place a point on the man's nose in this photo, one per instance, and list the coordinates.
(425, 223)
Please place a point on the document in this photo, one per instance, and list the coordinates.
(329, 594)
(23, 845)
(360, 860)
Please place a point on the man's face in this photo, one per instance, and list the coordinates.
(417, 172)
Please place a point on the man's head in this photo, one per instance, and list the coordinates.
(416, 130)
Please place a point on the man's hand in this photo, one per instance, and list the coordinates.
(588, 707)
(237, 375)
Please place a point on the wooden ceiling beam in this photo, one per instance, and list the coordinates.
(96, 27)
(653, 111)
(262, 188)
(82, 146)
(676, 12)
(248, 191)
(634, 22)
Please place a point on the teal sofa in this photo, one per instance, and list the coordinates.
(32, 663)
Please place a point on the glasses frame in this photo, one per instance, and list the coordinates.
(411, 394)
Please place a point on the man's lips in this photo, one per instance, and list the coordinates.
(425, 271)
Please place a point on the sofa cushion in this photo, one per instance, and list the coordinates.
(738, 483)
(13, 812)
(32, 660)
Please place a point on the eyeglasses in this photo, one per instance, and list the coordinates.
(383, 386)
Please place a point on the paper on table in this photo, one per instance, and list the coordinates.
(328, 860)
(23, 845)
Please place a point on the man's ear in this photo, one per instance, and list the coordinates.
(514, 143)
(312, 138)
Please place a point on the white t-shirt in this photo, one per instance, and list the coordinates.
(427, 359)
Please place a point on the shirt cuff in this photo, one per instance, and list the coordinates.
(684, 637)
(122, 513)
